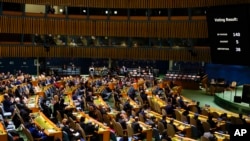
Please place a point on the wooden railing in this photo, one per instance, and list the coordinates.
(202, 53)
(132, 3)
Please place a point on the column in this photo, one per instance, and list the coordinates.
(108, 15)
(1, 8)
(23, 9)
(170, 67)
(189, 14)
(87, 13)
(110, 63)
(128, 14)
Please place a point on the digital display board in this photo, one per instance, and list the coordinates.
(228, 30)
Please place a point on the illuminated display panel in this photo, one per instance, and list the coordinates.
(228, 29)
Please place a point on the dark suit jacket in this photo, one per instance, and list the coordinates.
(8, 106)
(136, 127)
(69, 132)
(164, 122)
(56, 108)
(90, 129)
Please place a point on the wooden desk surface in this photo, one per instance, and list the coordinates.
(221, 136)
(180, 138)
(98, 101)
(104, 130)
(203, 118)
(69, 101)
(159, 101)
(70, 90)
(219, 111)
(145, 129)
(132, 102)
(50, 129)
(3, 133)
(179, 125)
(99, 90)
(33, 103)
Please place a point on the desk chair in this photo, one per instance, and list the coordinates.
(28, 134)
(206, 126)
(4, 113)
(119, 130)
(178, 115)
(65, 136)
(160, 127)
(203, 138)
(131, 132)
(170, 130)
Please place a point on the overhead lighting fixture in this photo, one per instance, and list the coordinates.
(106, 12)
(84, 11)
(60, 10)
(115, 12)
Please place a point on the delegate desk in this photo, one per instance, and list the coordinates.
(203, 118)
(156, 103)
(179, 125)
(99, 90)
(50, 129)
(3, 133)
(180, 138)
(135, 106)
(69, 101)
(103, 130)
(33, 103)
(145, 129)
(41, 90)
(125, 96)
(70, 90)
(222, 136)
(98, 101)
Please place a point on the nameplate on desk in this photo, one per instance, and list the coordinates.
(51, 130)
(31, 105)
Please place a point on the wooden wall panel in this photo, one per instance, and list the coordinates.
(173, 29)
(132, 3)
(202, 53)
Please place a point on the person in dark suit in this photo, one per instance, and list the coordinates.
(199, 125)
(18, 92)
(35, 132)
(143, 94)
(8, 104)
(56, 106)
(90, 129)
(127, 107)
(212, 123)
(163, 121)
(24, 110)
(45, 109)
(121, 118)
(138, 129)
(82, 123)
(170, 110)
(71, 132)
(89, 97)
(92, 112)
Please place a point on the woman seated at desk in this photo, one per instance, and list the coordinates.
(35, 132)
